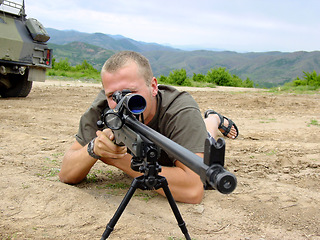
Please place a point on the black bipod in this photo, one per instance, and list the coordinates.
(147, 164)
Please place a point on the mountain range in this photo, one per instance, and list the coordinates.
(264, 68)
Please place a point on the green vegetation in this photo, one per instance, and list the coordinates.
(309, 79)
(273, 152)
(146, 196)
(83, 71)
(268, 120)
(76, 52)
(10, 236)
(118, 185)
(216, 76)
(268, 69)
(309, 83)
(91, 178)
(313, 122)
(219, 76)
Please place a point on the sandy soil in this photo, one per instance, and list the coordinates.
(276, 160)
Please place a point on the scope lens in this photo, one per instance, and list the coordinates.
(136, 104)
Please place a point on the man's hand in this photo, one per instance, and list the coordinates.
(77, 163)
(106, 148)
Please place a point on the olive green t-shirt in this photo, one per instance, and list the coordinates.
(177, 117)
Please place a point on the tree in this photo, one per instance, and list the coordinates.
(178, 77)
(248, 83)
(309, 79)
(312, 79)
(219, 76)
(198, 77)
(63, 65)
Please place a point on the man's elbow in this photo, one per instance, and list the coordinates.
(195, 196)
(68, 179)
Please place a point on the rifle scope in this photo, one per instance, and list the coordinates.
(135, 103)
(126, 101)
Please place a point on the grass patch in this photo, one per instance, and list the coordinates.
(118, 185)
(313, 122)
(53, 172)
(51, 166)
(91, 178)
(146, 196)
(270, 120)
(117, 188)
(10, 237)
(24, 186)
(273, 152)
(295, 90)
(96, 174)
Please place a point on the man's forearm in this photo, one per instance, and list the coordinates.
(76, 164)
(184, 184)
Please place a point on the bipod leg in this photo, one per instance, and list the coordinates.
(175, 209)
(135, 183)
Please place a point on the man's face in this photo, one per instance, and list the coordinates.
(129, 78)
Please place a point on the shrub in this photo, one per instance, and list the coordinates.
(310, 80)
(198, 77)
(178, 77)
(64, 69)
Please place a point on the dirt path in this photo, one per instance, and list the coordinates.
(276, 160)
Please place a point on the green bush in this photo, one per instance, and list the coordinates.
(198, 77)
(248, 83)
(299, 82)
(177, 77)
(163, 79)
(63, 65)
(80, 71)
(310, 80)
(219, 76)
(308, 84)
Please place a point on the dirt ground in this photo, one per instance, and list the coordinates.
(276, 159)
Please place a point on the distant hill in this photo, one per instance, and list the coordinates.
(266, 69)
(76, 52)
(110, 42)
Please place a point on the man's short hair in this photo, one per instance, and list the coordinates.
(120, 59)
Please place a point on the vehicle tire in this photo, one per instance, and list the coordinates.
(21, 87)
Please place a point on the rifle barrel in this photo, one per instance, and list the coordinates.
(188, 158)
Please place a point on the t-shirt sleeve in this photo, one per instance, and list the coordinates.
(88, 121)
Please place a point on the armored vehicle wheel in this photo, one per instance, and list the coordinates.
(21, 87)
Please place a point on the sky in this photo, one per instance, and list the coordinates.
(233, 25)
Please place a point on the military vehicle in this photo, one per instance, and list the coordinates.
(24, 54)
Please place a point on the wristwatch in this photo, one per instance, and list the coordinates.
(90, 149)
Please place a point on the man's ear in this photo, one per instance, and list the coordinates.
(154, 86)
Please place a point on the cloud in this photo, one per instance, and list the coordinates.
(240, 25)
